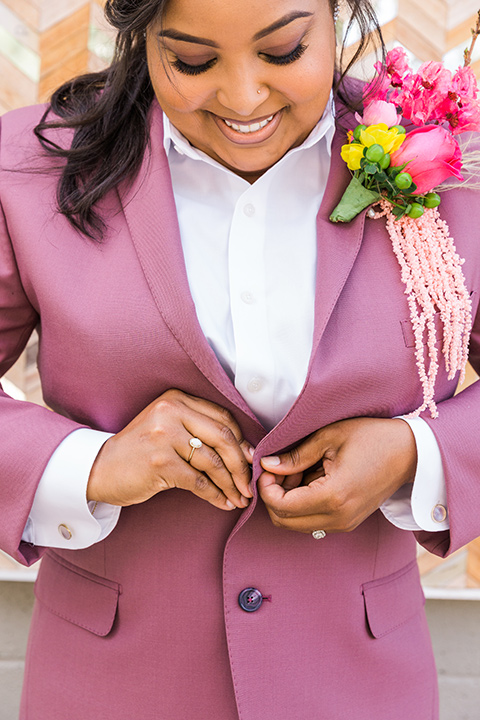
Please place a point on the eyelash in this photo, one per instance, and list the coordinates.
(187, 69)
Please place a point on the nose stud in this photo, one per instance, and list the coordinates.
(259, 91)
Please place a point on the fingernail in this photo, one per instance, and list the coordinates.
(272, 460)
(250, 486)
(230, 505)
(244, 501)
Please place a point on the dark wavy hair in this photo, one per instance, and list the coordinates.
(108, 110)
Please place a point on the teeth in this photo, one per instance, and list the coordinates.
(248, 128)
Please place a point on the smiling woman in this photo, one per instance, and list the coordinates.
(247, 82)
(224, 489)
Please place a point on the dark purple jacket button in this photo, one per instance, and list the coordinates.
(250, 599)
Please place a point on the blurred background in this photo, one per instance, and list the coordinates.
(43, 43)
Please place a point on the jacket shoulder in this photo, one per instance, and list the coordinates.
(19, 146)
(16, 133)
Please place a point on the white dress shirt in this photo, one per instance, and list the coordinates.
(250, 255)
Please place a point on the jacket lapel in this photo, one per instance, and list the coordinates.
(149, 207)
(150, 212)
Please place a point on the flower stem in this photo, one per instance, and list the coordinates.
(467, 54)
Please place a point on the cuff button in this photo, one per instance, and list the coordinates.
(65, 532)
(439, 513)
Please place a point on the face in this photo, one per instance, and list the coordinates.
(243, 80)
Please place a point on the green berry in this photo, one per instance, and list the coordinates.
(432, 200)
(357, 131)
(399, 128)
(385, 161)
(375, 153)
(416, 210)
(403, 180)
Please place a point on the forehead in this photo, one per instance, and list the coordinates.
(235, 17)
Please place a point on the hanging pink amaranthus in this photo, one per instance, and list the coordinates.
(432, 273)
(398, 172)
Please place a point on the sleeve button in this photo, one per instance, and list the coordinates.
(439, 513)
(65, 531)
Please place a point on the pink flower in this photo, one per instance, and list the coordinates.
(462, 115)
(464, 83)
(397, 65)
(390, 74)
(432, 154)
(377, 112)
(461, 107)
(423, 93)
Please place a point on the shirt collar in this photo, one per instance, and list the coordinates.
(325, 128)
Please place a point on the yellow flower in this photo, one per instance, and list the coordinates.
(389, 139)
(352, 154)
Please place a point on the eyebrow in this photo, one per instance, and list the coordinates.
(185, 37)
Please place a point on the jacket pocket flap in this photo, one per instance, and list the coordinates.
(76, 595)
(392, 600)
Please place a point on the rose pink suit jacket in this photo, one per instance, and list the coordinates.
(147, 624)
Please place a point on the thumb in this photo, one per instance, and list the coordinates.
(270, 488)
(303, 457)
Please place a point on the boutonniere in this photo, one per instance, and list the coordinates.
(397, 173)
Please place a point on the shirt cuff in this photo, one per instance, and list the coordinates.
(60, 516)
(423, 505)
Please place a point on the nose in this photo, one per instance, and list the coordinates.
(242, 93)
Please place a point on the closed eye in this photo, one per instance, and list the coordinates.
(187, 69)
(291, 57)
(295, 54)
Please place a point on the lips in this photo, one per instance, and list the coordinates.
(248, 133)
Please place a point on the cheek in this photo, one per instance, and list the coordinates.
(181, 97)
(312, 84)
(174, 92)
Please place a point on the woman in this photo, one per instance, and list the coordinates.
(241, 352)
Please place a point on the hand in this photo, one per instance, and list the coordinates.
(150, 455)
(339, 475)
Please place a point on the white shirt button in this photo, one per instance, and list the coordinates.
(439, 513)
(249, 210)
(247, 297)
(65, 532)
(255, 384)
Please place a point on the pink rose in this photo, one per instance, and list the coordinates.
(379, 111)
(432, 154)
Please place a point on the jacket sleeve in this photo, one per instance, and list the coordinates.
(29, 433)
(457, 430)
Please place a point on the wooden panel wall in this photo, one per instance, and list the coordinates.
(42, 43)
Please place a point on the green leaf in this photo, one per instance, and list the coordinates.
(355, 199)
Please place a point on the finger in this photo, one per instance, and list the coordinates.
(222, 440)
(196, 414)
(271, 489)
(292, 481)
(301, 501)
(208, 461)
(307, 524)
(200, 485)
(300, 458)
(223, 417)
